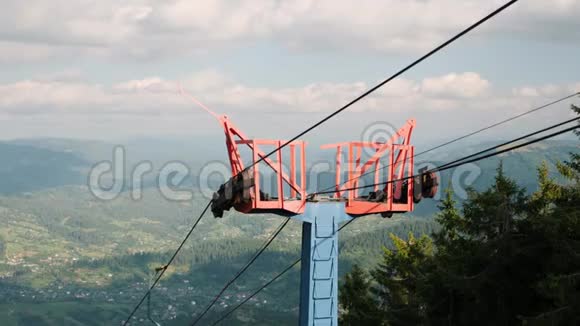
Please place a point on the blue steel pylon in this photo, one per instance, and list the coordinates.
(319, 269)
(319, 264)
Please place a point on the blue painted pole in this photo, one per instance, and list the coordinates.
(319, 265)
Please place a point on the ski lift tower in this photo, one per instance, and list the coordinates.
(246, 192)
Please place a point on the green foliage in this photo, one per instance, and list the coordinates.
(451, 222)
(398, 279)
(491, 213)
(65, 313)
(357, 304)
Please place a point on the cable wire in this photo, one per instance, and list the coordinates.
(500, 122)
(507, 149)
(462, 161)
(164, 268)
(157, 270)
(243, 270)
(397, 74)
(512, 141)
(287, 269)
(466, 136)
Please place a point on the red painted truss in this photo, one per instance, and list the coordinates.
(286, 192)
(246, 192)
(277, 184)
(391, 194)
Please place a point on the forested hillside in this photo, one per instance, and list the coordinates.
(65, 247)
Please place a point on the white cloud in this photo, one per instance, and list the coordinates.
(547, 90)
(39, 97)
(62, 105)
(152, 28)
(468, 84)
(155, 95)
(526, 91)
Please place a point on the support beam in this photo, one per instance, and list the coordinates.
(319, 268)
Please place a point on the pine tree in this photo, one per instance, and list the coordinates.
(452, 223)
(400, 278)
(491, 213)
(357, 305)
(555, 223)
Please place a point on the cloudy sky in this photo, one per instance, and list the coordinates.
(110, 69)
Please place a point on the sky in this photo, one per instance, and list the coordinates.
(112, 69)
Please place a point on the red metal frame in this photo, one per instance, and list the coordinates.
(292, 202)
(399, 166)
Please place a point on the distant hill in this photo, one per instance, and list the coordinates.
(35, 164)
(83, 154)
(26, 168)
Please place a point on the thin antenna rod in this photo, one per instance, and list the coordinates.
(196, 101)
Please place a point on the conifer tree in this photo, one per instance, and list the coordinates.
(357, 305)
(400, 278)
